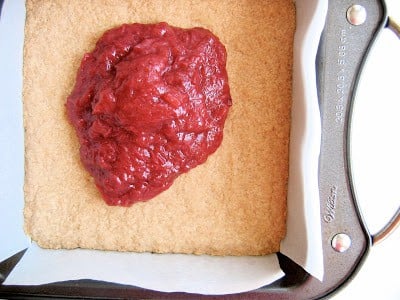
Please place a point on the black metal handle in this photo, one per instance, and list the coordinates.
(343, 51)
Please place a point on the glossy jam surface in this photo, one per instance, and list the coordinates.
(149, 104)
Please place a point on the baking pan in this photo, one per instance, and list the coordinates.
(343, 49)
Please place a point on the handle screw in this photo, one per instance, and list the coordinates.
(341, 242)
(356, 14)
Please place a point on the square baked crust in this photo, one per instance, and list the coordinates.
(234, 204)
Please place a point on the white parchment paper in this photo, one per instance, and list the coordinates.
(167, 272)
(162, 272)
(12, 22)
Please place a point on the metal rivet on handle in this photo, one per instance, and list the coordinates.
(341, 242)
(356, 14)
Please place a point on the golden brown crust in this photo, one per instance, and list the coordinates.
(234, 204)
